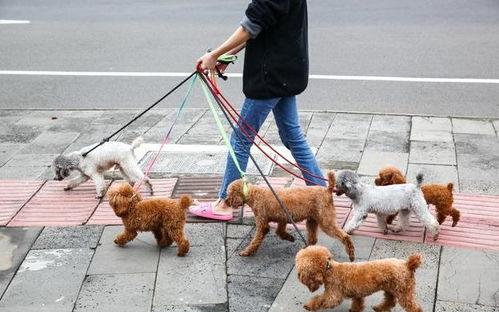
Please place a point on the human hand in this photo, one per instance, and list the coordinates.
(207, 61)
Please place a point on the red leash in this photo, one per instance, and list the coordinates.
(220, 97)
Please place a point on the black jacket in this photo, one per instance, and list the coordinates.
(276, 59)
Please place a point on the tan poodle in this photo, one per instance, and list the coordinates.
(311, 203)
(438, 195)
(395, 277)
(164, 217)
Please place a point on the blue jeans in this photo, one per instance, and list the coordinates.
(255, 111)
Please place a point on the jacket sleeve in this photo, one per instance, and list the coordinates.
(263, 14)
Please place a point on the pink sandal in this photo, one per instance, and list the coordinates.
(205, 210)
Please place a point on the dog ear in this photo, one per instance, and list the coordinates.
(120, 204)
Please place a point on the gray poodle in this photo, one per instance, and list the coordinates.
(384, 201)
(97, 162)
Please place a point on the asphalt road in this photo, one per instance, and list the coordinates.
(361, 39)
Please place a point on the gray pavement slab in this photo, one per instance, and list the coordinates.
(388, 141)
(336, 153)
(14, 244)
(8, 150)
(431, 124)
(319, 125)
(372, 161)
(433, 136)
(495, 123)
(433, 174)
(116, 292)
(18, 133)
(21, 173)
(27, 160)
(350, 126)
(391, 123)
(50, 142)
(435, 153)
(426, 274)
(238, 231)
(274, 258)
(472, 126)
(249, 293)
(205, 234)
(47, 280)
(446, 306)
(199, 278)
(138, 256)
(469, 276)
(478, 163)
(86, 236)
(222, 307)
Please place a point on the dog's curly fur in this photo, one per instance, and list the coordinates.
(395, 277)
(97, 162)
(436, 194)
(311, 203)
(164, 217)
(384, 201)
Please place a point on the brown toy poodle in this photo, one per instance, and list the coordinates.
(436, 194)
(311, 203)
(164, 217)
(395, 277)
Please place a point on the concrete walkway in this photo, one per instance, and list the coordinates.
(79, 268)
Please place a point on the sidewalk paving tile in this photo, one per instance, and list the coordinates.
(205, 234)
(478, 164)
(435, 153)
(372, 161)
(7, 150)
(274, 259)
(14, 244)
(391, 123)
(431, 135)
(138, 256)
(50, 142)
(27, 160)
(431, 124)
(469, 276)
(318, 127)
(438, 174)
(446, 306)
(69, 237)
(350, 126)
(199, 278)
(472, 126)
(14, 195)
(22, 173)
(388, 141)
(61, 270)
(248, 293)
(496, 126)
(19, 133)
(54, 206)
(116, 292)
(104, 214)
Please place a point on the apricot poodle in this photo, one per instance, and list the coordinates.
(164, 217)
(436, 194)
(311, 203)
(395, 277)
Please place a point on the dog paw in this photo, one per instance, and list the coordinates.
(245, 253)
(99, 196)
(119, 243)
(67, 188)
(307, 307)
(396, 230)
(454, 223)
(375, 308)
(385, 231)
(435, 237)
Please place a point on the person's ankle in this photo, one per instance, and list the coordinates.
(221, 208)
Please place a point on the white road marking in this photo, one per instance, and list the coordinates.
(2, 22)
(238, 75)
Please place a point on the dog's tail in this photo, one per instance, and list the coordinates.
(331, 181)
(137, 142)
(419, 179)
(414, 261)
(450, 187)
(185, 201)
